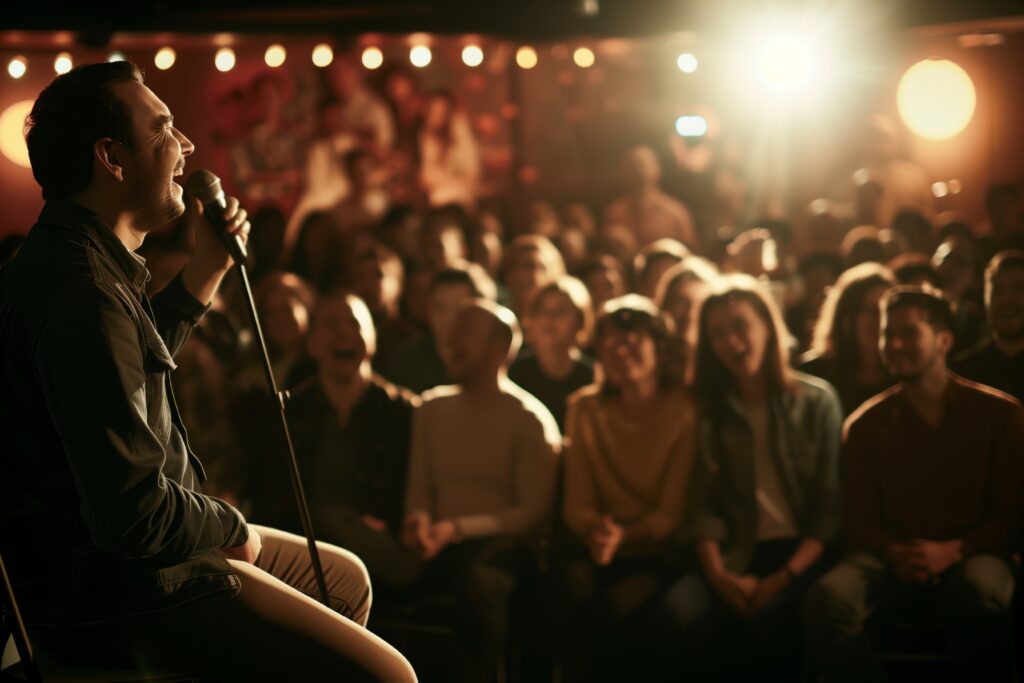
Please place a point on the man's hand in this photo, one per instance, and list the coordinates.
(901, 559)
(934, 557)
(736, 591)
(767, 588)
(210, 260)
(416, 532)
(440, 537)
(604, 541)
(248, 551)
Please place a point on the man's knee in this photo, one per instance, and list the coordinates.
(348, 582)
(982, 586)
(834, 606)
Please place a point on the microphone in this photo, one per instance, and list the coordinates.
(205, 186)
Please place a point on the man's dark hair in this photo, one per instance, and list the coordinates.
(928, 299)
(912, 266)
(1011, 258)
(468, 274)
(69, 116)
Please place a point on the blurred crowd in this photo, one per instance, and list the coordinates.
(657, 426)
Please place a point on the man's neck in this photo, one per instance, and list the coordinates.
(344, 394)
(1010, 348)
(486, 386)
(120, 222)
(926, 393)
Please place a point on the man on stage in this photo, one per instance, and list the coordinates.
(116, 554)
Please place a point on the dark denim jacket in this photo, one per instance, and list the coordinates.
(101, 511)
(805, 426)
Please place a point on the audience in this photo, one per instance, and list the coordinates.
(998, 360)
(627, 465)
(933, 493)
(763, 503)
(844, 349)
(558, 322)
(481, 482)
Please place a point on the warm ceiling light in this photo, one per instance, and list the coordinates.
(17, 67)
(225, 59)
(62, 64)
(373, 58)
(526, 57)
(936, 99)
(584, 57)
(274, 56)
(420, 56)
(472, 55)
(323, 55)
(164, 58)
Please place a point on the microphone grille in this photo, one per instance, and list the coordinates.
(203, 185)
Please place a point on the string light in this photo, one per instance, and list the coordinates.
(165, 58)
(275, 56)
(687, 63)
(225, 59)
(17, 67)
(420, 56)
(526, 57)
(472, 56)
(373, 58)
(584, 57)
(323, 55)
(116, 56)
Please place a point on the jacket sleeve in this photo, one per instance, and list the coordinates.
(91, 367)
(824, 500)
(704, 520)
(177, 312)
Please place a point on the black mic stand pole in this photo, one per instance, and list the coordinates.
(281, 398)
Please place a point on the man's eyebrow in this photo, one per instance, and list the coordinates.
(163, 120)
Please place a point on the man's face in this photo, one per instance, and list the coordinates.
(339, 341)
(445, 303)
(472, 345)
(1004, 299)
(910, 345)
(156, 156)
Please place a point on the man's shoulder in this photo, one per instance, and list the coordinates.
(874, 411)
(440, 396)
(529, 409)
(382, 391)
(987, 399)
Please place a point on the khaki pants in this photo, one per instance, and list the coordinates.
(274, 629)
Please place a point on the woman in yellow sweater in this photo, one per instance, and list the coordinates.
(630, 448)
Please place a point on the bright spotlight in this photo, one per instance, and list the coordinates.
(692, 126)
(420, 56)
(785, 63)
(17, 67)
(687, 63)
(165, 58)
(62, 64)
(584, 57)
(936, 99)
(116, 56)
(225, 59)
(323, 55)
(275, 56)
(12, 138)
(472, 56)
(373, 58)
(526, 57)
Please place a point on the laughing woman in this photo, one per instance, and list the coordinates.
(763, 502)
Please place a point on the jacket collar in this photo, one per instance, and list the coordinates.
(73, 216)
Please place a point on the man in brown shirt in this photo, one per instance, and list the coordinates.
(934, 501)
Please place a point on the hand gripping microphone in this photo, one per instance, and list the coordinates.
(205, 186)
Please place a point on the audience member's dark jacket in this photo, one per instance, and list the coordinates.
(375, 441)
(721, 506)
(100, 504)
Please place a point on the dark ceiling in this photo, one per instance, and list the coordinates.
(535, 19)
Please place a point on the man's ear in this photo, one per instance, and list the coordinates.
(946, 339)
(109, 155)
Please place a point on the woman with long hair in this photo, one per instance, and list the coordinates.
(844, 349)
(763, 501)
(449, 158)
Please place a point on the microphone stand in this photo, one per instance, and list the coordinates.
(281, 398)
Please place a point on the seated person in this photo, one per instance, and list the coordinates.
(998, 360)
(763, 502)
(627, 464)
(844, 349)
(420, 364)
(933, 484)
(481, 482)
(558, 321)
(351, 431)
